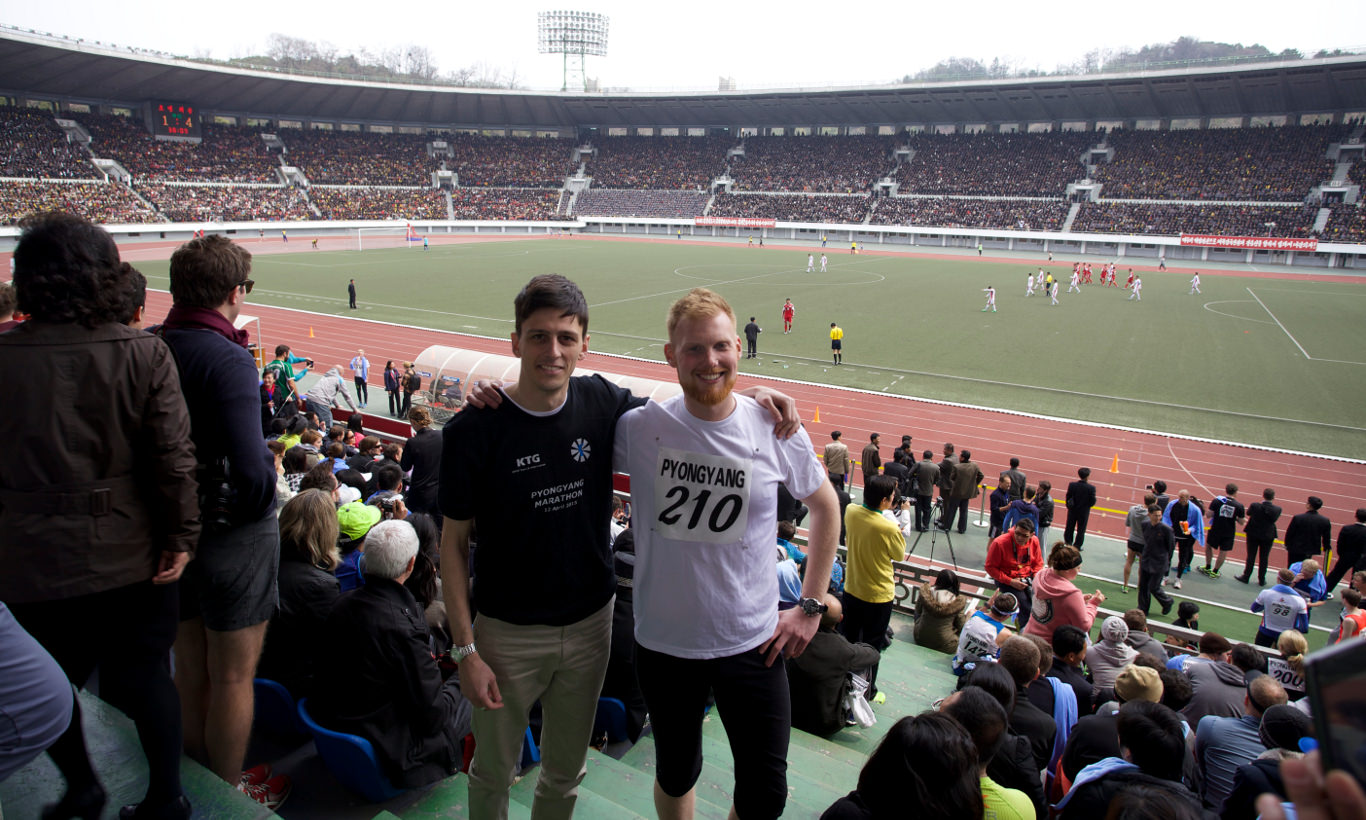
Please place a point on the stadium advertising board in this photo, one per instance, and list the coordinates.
(1256, 243)
(733, 222)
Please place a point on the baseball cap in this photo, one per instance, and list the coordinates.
(355, 519)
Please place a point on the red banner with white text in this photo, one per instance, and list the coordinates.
(1256, 243)
(734, 222)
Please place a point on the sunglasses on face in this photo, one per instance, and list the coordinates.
(246, 285)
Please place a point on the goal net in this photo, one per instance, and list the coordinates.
(397, 236)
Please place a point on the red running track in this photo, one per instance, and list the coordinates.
(1047, 448)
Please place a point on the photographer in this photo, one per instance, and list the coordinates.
(388, 489)
(1013, 558)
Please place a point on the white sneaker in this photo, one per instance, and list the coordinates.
(1177, 585)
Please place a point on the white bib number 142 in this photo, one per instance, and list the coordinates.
(701, 497)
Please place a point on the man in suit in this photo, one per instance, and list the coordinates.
(1309, 534)
(1017, 480)
(967, 477)
(946, 473)
(870, 458)
(898, 469)
(1081, 497)
(1351, 554)
(837, 457)
(1261, 533)
(925, 477)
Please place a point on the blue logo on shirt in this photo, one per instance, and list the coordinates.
(580, 450)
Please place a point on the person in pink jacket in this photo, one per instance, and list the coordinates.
(1057, 600)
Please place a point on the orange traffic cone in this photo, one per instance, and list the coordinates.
(1114, 465)
(817, 418)
(310, 331)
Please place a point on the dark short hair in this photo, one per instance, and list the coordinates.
(1269, 494)
(1315, 502)
(205, 270)
(351, 478)
(1084, 473)
(1247, 658)
(389, 477)
(319, 477)
(878, 488)
(550, 290)
(281, 350)
(927, 454)
(1136, 620)
(966, 455)
(132, 294)
(1068, 639)
(928, 761)
(1212, 643)
(1014, 462)
(993, 679)
(1154, 737)
(1159, 487)
(1187, 610)
(67, 271)
(1176, 688)
(835, 434)
(984, 718)
(1230, 488)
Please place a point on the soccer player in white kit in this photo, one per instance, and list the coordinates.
(1053, 292)
(1137, 292)
(822, 263)
(991, 299)
(810, 263)
(1195, 284)
(1075, 283)
(1029, 284)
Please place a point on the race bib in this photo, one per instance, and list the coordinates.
(1227, 511)
(1281, 671)
(701, 497)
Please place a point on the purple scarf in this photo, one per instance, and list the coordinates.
(186, 318)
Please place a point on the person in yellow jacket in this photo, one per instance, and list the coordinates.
(874, 542)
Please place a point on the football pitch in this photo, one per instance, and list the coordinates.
(1274, 362)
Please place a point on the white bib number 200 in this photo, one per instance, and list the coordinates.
(701, 497)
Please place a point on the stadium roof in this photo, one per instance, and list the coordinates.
(38, 65)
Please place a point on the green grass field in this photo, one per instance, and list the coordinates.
(1222, 364)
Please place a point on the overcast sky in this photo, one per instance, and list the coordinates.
(687, 46)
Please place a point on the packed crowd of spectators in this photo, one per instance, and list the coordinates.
(31, 145)
(994, 164)
(353, 158)
(110, 203)
(504, 203)
(670, 163)
(843, 165)
(1264, 164)
(1005, 214)
(226, 154)
(844, 210)
(659, 204)
(219, 203)
(1346, 224)
(379, 203)
(513, 162)
(1171, 220)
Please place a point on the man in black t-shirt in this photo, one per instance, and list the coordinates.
(529, 471)
(1225, 512)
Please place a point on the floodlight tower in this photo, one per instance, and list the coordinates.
(574, 34)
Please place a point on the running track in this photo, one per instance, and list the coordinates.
(1047, 447)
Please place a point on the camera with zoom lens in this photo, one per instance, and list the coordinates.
(217, 496)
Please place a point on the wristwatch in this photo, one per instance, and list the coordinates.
(813, 607)
(462, 652)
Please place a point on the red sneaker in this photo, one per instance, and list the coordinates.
(256, 775)
(271, 793)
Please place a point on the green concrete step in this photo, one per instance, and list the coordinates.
(590, 803)
(118, 760)
(450, 799)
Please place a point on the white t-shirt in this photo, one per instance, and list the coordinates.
(977, 641)
(1281, 608)
(1289, 678)
(704, 499)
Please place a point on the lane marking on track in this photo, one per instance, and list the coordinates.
(1278, 323)
(1175, 458)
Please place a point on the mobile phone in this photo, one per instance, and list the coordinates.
(1336, 680)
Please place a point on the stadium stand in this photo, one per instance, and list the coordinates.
(222, 203)
(844, 165)
(109, 203)
(1006, 214)
(994, 164)
(1347, 224)
(1174, 219)
(847, 210)
(31, 145)
(349, 158)
(658, 162)
(504, 203)
(512, 162)
(1263, 164)
(657, 204)
(378, 203)
(226, 154)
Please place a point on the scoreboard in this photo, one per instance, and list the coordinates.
(174, 120)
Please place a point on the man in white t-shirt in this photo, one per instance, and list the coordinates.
(705, 469)
(810, 263)
(1282, 608)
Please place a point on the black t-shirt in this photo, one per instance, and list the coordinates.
(1180, 511)
(1224, 513)
(539, 490)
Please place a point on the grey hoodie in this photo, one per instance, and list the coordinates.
(1219, 690)
(327, 389)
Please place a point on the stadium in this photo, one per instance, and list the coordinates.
(1233, 192)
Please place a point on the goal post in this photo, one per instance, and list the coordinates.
(388, 236)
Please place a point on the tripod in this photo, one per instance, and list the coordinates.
(936, 516)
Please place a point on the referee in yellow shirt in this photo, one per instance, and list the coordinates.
(836, 342)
